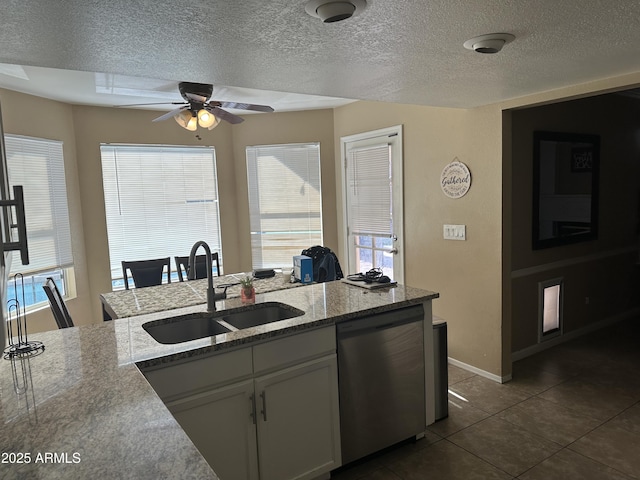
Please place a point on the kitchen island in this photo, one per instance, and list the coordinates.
(86, 400)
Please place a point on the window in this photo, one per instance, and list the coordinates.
(285, 202)
(159, 200)
(38, 165)
(550, 293)
(370, 208)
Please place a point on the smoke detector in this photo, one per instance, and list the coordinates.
(490, 43)
(330, 11)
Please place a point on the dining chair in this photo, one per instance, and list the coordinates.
(201, 266)
(146, 273)
(58, 307)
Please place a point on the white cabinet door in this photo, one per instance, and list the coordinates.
(298, 421)
(221, 424)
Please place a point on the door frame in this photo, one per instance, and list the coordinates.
(398, 195)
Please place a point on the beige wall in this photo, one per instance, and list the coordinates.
(466, 274)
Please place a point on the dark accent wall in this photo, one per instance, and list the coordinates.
(601, 277)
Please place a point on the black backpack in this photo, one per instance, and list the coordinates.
(326, 266)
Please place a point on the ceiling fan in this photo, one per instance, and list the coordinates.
(199, 109)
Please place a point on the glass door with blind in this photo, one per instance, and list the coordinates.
(372, 190)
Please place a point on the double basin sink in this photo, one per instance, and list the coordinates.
(185, 328)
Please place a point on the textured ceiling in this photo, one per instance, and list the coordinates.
(404, 51)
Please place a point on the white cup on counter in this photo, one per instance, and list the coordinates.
(286, 275)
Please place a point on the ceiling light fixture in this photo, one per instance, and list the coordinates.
(190, 118)
(330, 11)
(187, 119)
(490, 43)
(206, 119)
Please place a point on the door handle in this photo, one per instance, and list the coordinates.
(393, 250)
(263, 395)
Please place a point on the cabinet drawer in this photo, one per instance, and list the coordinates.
(294, 349)
(187, 377)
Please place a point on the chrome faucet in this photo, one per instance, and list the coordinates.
(191, 275)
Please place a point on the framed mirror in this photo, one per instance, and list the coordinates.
(565, 188)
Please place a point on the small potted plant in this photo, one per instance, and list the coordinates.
(247, 291)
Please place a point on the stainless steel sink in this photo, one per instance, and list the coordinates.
(259, 315)
(185, 328)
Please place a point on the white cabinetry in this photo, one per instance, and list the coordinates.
(297, 429)
(268, 412)
(218, 424)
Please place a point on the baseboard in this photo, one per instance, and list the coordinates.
(542, 346)
(478, 371)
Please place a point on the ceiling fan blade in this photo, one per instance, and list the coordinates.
(246, 106)
(195, 97)
(224, 115)
(145, 104)
(170, 114)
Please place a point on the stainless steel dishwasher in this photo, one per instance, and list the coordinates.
(381, 380)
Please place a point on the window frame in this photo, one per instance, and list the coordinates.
(312, 155)
(169, 157)
(62, 264)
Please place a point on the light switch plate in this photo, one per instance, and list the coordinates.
(454, 232)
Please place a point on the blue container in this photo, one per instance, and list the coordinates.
(303, 268)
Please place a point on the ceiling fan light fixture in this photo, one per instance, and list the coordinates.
(330, 11)
(192, 124)
(199, 109)
(183, 117)
(187, 119)
(207, 119)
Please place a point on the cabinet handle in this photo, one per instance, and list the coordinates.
(252, 399)
(263, 395)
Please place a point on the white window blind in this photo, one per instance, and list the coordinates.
(369, 191)
(159, 201)
(285, 202)
(38, 165)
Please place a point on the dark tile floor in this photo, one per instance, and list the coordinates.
(570, 412)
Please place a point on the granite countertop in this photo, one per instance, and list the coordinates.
(85, 400)
(80, 410)
(323, 304)
(139, 301)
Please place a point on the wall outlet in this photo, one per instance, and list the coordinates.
(454, 232)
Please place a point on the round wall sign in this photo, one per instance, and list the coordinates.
(455, 179)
